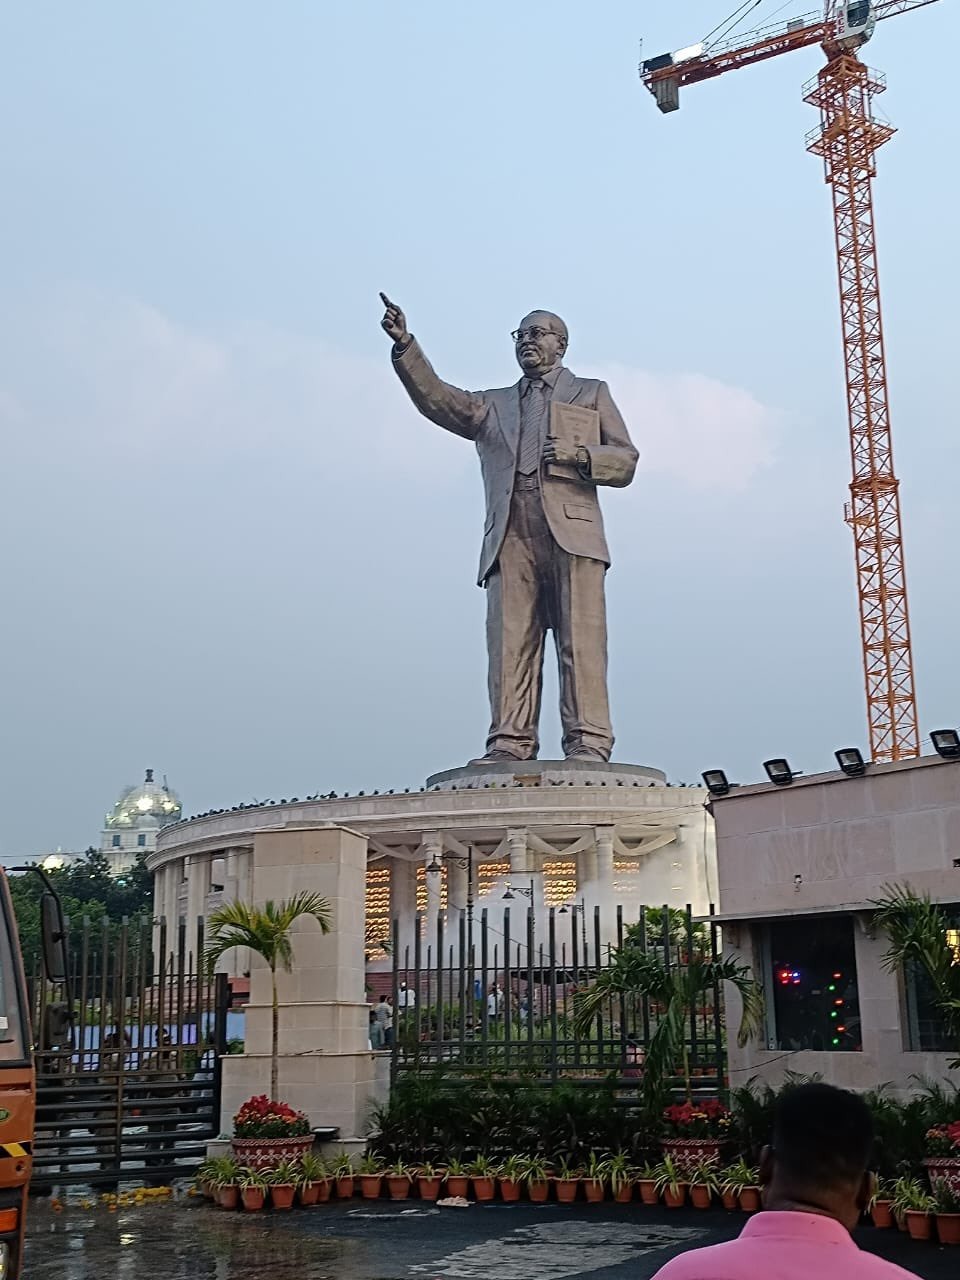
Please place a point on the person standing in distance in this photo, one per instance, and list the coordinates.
(816, 1185)
(544, 554)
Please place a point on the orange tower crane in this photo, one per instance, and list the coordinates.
(847, 139)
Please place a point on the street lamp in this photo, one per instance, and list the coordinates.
(465, 864)
(574, 908)
(513, 889)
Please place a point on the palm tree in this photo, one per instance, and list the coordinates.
(917, 932)
(677, 989)
(265, 930)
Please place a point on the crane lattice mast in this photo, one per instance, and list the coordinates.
(847, 139)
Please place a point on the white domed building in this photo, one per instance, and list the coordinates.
(132, 826)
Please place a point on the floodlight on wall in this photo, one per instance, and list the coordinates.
(779, 771)
(946, 743)
(851, 762)
(715, 780)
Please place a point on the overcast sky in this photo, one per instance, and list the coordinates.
(233, 552)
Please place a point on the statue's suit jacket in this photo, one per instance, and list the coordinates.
(491, 419)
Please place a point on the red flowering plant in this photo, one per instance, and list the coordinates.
(705, 1118)
(260, 1117)
(944, 1140)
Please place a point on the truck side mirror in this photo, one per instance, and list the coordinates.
(54, 936)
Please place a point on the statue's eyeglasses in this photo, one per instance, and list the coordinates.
(536, 333)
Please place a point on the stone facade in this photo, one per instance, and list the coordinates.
(822, 850)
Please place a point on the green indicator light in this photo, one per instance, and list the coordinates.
(831, 987)
(835, 1040)
(833, 1013)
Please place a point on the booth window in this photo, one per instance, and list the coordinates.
(812, 978)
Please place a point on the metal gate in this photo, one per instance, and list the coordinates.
(132, 1090)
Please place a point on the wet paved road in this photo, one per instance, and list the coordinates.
(189, 1240)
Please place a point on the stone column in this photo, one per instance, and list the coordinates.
(325, 1066)
(432, 846)
(403, 905)
(605, 893)
(198, 881)
(587, 876)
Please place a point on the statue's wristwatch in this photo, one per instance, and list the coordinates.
(583, 460)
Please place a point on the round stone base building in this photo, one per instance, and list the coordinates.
(568, 834)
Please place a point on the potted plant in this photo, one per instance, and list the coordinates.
(536, 1175)
(942, 1154)
(483, 1175)
(343, 1176)
(399, 1179)
(204, 1179)
(458, 1181)
(510, 1175)
(702, 1176)
(670, 1182)
(619, 1173)
(647, 1184)
(282, 1180)
(881, 1212)
(731, 1181)
(313, 1178)
(370, 1177)
(947, 1212)
(429, 1181)
(266, 1132)
(253, 1189)
(565, 1181)
(695, 1130)
(223, 1175)
(915, 1205)
(595, 1178)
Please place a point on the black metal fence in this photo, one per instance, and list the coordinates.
(130, 1091)
(503, 1001)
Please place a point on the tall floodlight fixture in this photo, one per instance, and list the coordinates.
(946, 743)
(715, 780)
(779, 772)
(851, 762)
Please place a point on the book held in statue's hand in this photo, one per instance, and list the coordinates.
(573, 426)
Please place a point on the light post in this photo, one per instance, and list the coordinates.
(573, 909)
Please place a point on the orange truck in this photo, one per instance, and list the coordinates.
(18, 1086)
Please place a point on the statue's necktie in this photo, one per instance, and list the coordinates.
(533, 408)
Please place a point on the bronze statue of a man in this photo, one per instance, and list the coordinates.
(544, 553)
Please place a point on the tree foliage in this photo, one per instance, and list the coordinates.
(86, 889)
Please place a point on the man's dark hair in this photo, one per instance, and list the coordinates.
(822, 1136)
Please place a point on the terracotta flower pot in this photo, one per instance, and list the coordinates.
(429, 1188)
(674, 1199)
(344, 1185)
(538, 1191)
(228, 1197)
(281, 1195)
(648, 1191)
(948, 1228)
(457, 1185)
(944, 1169)
(701, 1197)
(371, 1184)
(689, 1150)
(308, 1194)
(509, 1190)
(324, 1190)
(624, 1194)
(566, 1189)
(399, 1187)
(728, 1199)
(881, 1213)
(919, 1224)
(901, 1222)
(593, 1190)
(484, 1188)
(750, 1199)
(252, 1198)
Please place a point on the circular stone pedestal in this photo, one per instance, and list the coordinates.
(545, 773)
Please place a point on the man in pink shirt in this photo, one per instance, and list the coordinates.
(816, 1186)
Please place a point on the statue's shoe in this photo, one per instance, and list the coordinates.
(497, 757)
(588, 753)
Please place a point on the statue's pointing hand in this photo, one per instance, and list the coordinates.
(394, 322)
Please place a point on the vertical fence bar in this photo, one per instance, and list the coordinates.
(552, 944)
(466, 992)
(718, 1045)
(436, 1033)
(512, 998)
(403, 1015)
(484, 970)
(601, 1044)
(394, 1034)
(694, 1061)
(531, 995)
